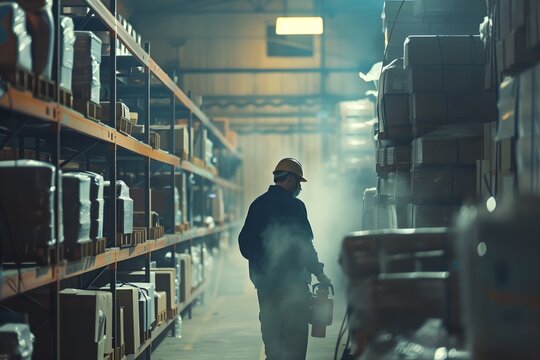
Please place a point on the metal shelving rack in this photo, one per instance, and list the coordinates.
(66, 123)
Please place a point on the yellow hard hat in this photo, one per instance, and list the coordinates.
(292, 166)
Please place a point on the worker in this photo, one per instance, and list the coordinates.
(278, 242)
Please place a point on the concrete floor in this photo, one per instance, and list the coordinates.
(227, 325)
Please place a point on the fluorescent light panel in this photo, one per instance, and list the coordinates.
(305, 25)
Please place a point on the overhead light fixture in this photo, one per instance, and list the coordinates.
(304, 25)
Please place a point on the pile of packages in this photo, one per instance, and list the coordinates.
(432, 105)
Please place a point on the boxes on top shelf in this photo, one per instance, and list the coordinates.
(41, 26)
(16, 44)
(181, 138)
(67, 36)
(87, 59)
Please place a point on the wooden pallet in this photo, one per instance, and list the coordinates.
(17, 77)
(124, 240)
(124, 126)
(66, 98)
(172, 313)
(100, 246)
(161, 318)
(79, 251)
(120, 352)
(140, 235)
(88, 108)
(44, 89)
(109, 356)
(147, 335)
(156, 232)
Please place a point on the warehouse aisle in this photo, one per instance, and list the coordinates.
(227, 326)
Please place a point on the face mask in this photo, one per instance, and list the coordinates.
(298, 189)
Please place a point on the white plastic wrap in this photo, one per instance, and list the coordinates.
(67, 50)
(76, 204)
(16, 341)
(87, 60)
(16, 44)
(96, 198)
(27, 189)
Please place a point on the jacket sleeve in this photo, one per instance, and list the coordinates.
(247, 240)
(309, 256)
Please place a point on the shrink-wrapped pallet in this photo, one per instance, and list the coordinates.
(27, 197)
(87, 59)
(76, 206)
(67, 37)
(16, 44)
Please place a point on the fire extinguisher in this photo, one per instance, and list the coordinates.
(322, 309)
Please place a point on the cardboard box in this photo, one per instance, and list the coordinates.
(128, 298)
(516, 52)
(85, 323)
(122, 111)
(390, 12)
(446, 151)
(161, 302)
(443, 185)
(146, 295)
(448, 78)
(181, 138)
(186, 277)
(431, 215)
(442, 49)
(452, 108)
(393, 79)
(394, 112)
(165, 282)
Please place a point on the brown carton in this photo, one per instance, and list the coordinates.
(85, 323)
(165, 282)
(128, 298)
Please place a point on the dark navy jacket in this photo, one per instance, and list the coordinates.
(278, 241)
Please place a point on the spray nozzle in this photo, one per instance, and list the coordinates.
(322, 287)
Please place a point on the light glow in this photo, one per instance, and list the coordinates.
(305, 25)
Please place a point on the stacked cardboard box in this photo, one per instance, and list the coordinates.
(67, 36)
(448, 106)
(401, 19)
(76, 205)
(85, 324)
(27, 192)
(124, 208)
(393, 148)
(16, 43)
(87, 59)
(515, 35)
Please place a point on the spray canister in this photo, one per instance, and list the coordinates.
(322, 309)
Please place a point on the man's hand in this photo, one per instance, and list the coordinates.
(323, 279)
